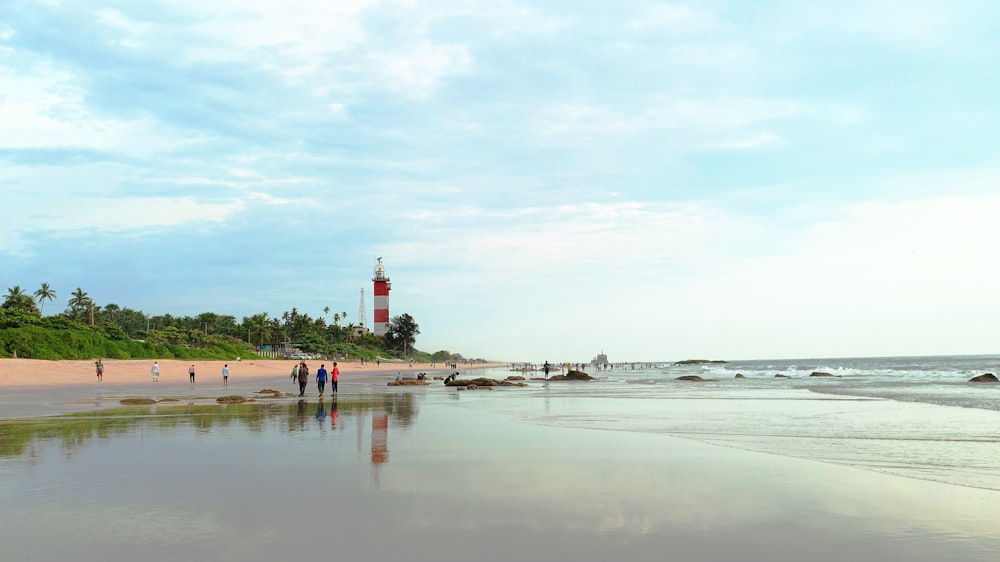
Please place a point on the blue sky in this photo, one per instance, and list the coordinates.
(544, 180)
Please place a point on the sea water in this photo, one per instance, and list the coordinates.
(894, 459)
(918, 417)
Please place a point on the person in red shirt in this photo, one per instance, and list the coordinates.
(334, 377)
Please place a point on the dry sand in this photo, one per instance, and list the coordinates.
(33, 373)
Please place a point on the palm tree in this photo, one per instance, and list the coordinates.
(260, 327)
(44, 293)
(112, 312)
(80, 301)
(14, 293)
(16, 299)
(326, 310)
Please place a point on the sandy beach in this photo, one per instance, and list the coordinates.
(38, 374)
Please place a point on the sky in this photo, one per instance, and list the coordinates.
(543, 180)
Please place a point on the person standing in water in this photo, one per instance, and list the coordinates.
(321, 379)
(545, 368)
(225, 375)
(191, 374)
(156, 372)
(334, 378)
(100, 369)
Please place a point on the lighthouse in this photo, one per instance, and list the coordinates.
(382, 288)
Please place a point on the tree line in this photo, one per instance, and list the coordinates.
(260, 332)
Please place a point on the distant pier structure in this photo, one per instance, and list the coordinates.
(601, 361)
(381, 292)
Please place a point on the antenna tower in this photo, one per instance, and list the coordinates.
(361, 310)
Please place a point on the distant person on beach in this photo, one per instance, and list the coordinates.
(295, 373)
(156, 372)
(303, 378)
(321, 378)
(191, 374)
(378, 361)
(225, 375)
(334, 378)
(545, 368)
(100, 369)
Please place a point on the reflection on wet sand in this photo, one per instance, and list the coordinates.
(20, 438)
(265, 480)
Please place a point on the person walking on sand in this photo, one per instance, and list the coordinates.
(321, 379)
(225, 375)
(334, 378)
(156, 372)
(191, 374)
(303, 378)
(295, 373)
(100, 369)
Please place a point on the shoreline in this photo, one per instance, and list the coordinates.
(27, 374)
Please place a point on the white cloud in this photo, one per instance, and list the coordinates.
(72, 214)
(115, 19)
(48, 108)
(701, 122)
(418, 69)
(756, 141)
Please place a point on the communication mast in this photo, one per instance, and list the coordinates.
(361, 311)
(382, 288)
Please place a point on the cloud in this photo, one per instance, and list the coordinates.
(418, 69)
(714, 122)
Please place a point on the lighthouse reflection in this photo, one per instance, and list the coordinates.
(399, 409)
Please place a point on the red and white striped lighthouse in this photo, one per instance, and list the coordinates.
(382, 288)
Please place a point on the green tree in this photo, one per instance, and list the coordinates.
(79, 304)
(402, 333)
(259, 328)
(17, 299)
(44, 293)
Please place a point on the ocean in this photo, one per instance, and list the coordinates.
(917, 417)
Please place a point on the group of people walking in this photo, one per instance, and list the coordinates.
(300, 374)
(155, 372)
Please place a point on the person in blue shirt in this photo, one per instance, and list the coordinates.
(321, 378)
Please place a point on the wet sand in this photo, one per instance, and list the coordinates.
(434, 473)
(425, 474)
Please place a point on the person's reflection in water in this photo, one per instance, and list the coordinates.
(320, 412)
(301, 411)
(333, 413)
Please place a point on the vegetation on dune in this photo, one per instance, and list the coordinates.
(87, 330)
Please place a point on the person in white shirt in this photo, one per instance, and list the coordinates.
(156, 372)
